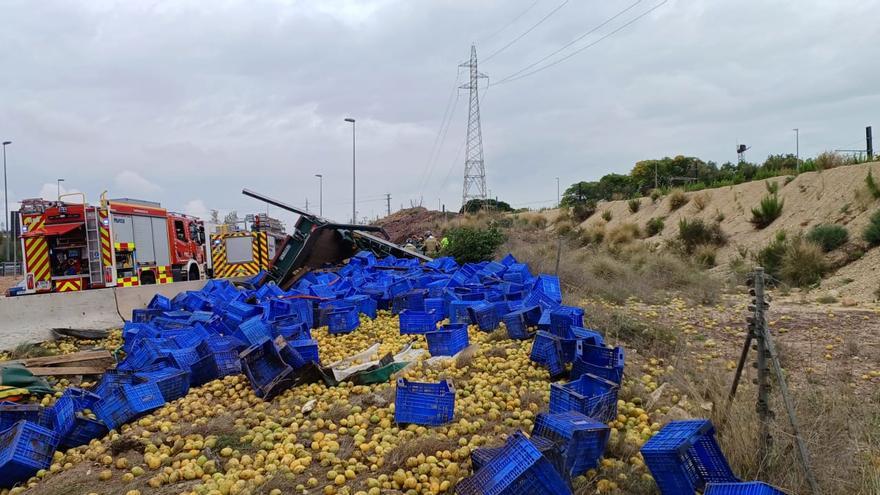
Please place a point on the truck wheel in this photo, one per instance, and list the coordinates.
(193, 273)
(148, 278)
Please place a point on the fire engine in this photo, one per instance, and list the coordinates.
(244, 248)
(71, 246)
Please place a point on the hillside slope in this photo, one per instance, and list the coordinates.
(830, 196)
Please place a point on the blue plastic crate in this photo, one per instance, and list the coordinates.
(82, 399)
(588, 336)
(262, 364)
(290, 355)
(253, 330)
(160, 302)
(437, 305)
(590, 395)
(25, 448)
(84, 431)
(191, 337)
(516, 325)
(518, 469)
(459, 312)
(600, 355)
(610, 373)
(684, 456)
(11, 413)
(563, 318)
(144, 315)
(203, 371)
(548, 285)
(343, 321)
(485, 316)
(430, 404)
(63, 414)
(547, 351)
(172, 382)
(412, 299)
(183, 358)
(581, 439)
(365, 304)
(742, 488)
(291, 329)
(417, 322)
(77, 430)
(308, 349)
(143, 353)
(448, 340)
(481, 456)
(224, 355)
(128, 402)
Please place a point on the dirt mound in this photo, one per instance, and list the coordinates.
(412, 222)
(830, 196)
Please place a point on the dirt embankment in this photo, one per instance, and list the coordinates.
(830, 196)
(413, 222)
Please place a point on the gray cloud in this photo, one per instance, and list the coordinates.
(193, 101)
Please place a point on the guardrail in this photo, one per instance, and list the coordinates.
(9, 269)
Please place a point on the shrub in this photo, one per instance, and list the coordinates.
(770, 256)
(539, 222)
(693, 233)
(623, 234)
(677, 199)
(634, 205)
(583, 211)
(654, 226)
(594, 234)
(803, 263)
(719, 216)
(772, 187)
(829, 236)
(470, 245)
(655, 195)
(563, 228)
(606, 215)
(872, 186)
(700, 201)
(830, 159)
(767, 211)
(704, 255)
(872, 230)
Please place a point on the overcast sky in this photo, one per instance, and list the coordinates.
(186, 102)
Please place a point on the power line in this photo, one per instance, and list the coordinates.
(429, 165)
(594, 43)
(436, 153)
(527, 31)
(524, 12)
(572, 42)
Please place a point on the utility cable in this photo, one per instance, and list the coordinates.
(518, 17)
(594, 43)
(572, 42)
(527, 31)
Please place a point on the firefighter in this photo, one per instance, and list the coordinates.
(409, 246)
(432, 246)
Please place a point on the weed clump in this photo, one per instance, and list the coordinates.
(606, 215)
(767, 211)
(634, 205)
(677, 199)
(803, 263)
(872, 230)
(693, 233)
(829, 236)
(654, 226)
(583, 211)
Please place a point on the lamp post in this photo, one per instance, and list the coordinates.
(6, 201)
(557, 192)
(797, 147)
(353, 177)
(58, 183)
(320, 194)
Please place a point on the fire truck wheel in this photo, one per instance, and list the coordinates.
(148, 278)
(193, 273)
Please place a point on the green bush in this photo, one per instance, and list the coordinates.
(677, 199)
(770, 256)
(872, 230)
(583, 211)
(634, 205)
(872, 186)
(470, 245)
(693, 233)
(655, 195)
(705, 254)
(829, 236)
(606, 215)
(803, 263)
(767, 211)
(654, 226)
(772, 187)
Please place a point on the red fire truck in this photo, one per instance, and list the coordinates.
(120, 242)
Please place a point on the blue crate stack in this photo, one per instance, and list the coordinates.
(430, 404)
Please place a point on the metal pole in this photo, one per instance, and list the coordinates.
(320, 194)
(797, 147)
(353, 176)
(557, 192)
(6, 202)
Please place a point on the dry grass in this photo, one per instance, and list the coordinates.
(622, 234)
(700, 201)
(677, 199)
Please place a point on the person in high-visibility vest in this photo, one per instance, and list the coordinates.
(444, 243)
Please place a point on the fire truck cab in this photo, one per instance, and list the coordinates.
(120, 242)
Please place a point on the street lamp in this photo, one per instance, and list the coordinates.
(557, 192)
(58, 183)
(353, 178)
(320, 194)
(6, 201)
(797, 148)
